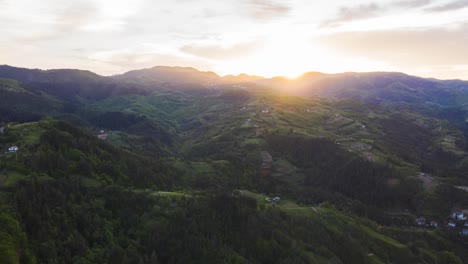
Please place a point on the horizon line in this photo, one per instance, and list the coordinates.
(244, 73)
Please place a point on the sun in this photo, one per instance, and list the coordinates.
(279, 56)
(292, 54)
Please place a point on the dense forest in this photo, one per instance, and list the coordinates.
(146, 168)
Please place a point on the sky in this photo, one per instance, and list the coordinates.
(427, 38)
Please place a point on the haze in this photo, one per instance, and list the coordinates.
(282, 37)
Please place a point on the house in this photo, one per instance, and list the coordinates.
(13, 149)
(434, 224)
(276, 200)
(458, 215)
(421, 221)
(102, 135)
(451, 224)
(465, 231)
(2, 130)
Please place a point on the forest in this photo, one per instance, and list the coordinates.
(178, 177)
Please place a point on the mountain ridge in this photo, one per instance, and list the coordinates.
(240, 75)
(373, 87)
(167, 169)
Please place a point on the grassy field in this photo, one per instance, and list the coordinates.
(288, 206)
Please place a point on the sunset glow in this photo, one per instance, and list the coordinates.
(268, 38)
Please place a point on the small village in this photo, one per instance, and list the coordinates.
(457, 221)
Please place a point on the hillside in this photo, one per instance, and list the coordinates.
(375, 87)
(36, 75)
(90, 211)
(175, 75)
(109, 169)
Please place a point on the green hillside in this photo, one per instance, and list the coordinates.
(149, 167)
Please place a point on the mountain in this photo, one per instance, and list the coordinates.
(174, 75)
(167, 165)
(375, 87)
(70, 197)
(241, 78)
(36, 75)
(21, 105)
(177, 78)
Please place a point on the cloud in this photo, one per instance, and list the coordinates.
(267, 9)
(130, 59)
(455, 5)
(209, 13)
(76, 15)
(350, 13)
(371, 10)
(411, 3)
(431, 46)
(218, 52)
(67, 20)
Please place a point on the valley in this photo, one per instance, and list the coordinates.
(165, 165)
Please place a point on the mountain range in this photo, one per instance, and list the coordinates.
(373, 86)
(176, 165)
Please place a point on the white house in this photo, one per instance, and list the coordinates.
(420, 221)
(452, 224)
(276, 200)
(13, 149)
(458, 215)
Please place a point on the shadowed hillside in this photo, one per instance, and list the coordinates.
(167, 165)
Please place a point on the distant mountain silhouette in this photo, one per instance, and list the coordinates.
(373, 86)
(163, 74)
(376, 87)
(59, 75)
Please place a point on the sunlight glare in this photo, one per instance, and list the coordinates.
(291, 54)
